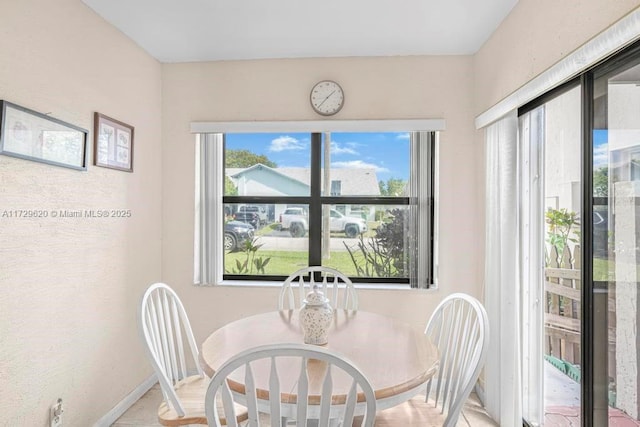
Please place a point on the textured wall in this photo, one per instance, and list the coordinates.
(375, 88)
(536, 35)
(627, 318)
(70, 286)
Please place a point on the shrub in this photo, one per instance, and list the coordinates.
(385, 254)
(561, 224)
(250, 248)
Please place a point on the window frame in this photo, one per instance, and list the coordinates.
(315, 202)
(209, 266)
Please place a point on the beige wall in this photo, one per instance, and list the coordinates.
(70, 286)
(536, 35)
(375, 88)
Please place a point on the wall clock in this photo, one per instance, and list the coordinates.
(327, 97)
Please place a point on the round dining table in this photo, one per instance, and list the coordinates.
(395, 357)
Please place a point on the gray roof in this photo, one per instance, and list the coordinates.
(354, 182)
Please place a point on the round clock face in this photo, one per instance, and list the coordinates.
(327, 97)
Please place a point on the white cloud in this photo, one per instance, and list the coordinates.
(600, 156)
(403, 136)
(285, 143)
(358, 164)
(337, 149)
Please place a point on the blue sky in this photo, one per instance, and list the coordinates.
(600, 148)
(387, 152)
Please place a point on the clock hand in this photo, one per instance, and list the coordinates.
(328, 96)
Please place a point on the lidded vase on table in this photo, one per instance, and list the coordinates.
(316, 315)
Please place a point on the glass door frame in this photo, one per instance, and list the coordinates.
(534, 352)
(593, 367)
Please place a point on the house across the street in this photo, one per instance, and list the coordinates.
(261, 180)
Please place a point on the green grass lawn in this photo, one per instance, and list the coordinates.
(603, 270)
(268, 228)
(283, 263)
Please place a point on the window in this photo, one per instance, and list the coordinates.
(336, 188)
(352, 201)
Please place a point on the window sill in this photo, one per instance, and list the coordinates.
(265, 284)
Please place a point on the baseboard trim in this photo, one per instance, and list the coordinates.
(126, 403)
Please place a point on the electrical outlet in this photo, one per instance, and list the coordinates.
(56, 414)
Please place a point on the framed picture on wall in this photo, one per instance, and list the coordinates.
(30, 135)
(113, 143)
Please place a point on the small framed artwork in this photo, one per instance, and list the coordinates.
(30, 135)
(113, 143)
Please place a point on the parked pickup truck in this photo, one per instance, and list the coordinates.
(296, 221)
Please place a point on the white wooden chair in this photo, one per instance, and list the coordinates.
(314, 368)
(334, 285)
(460, 328)
(165, 329)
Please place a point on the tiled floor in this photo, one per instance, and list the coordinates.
(143, 413)
(562, 407)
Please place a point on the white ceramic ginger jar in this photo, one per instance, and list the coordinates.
(316, 315)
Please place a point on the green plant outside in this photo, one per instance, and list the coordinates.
(249, 260)
(385, 254)
(283, 263)
(562, 224)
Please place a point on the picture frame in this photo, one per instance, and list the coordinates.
(30, 135)
(113, 143)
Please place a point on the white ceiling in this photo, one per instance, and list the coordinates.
(204, 30)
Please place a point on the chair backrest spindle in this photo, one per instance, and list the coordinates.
(460, 329)
(335, 286)
(274, 390)
(311, 359)
(303, 391)
(164, 326)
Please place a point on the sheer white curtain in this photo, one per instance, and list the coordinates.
(208, 210)
(531, 262)
(502, 373)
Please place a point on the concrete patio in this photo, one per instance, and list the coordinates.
(562, 402)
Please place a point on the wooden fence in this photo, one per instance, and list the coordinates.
(563, 307)
(562, 310)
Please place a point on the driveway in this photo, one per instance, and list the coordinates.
(282, 240)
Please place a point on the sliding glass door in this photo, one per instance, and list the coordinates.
(615, 241)
(581, 227)
(551, 253)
